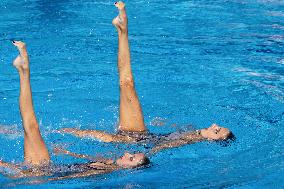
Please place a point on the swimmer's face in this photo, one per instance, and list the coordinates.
(215, 132)
(131, 160)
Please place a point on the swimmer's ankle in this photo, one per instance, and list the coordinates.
(123, 34)
(21, 67)
(121, 25)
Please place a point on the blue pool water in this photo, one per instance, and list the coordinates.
(195, 63)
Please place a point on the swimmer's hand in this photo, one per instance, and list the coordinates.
(59, 150)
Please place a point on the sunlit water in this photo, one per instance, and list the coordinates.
(194, 62)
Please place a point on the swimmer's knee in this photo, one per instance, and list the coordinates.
(127, 82)
(31, 126)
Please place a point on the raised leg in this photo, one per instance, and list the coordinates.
(35, 151)
(131, 116)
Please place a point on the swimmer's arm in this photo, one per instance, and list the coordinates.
(10, 166)
(105, 137)
(171, 144)
(100, 135)
(19, 173)
(186, 138)
(76, 175)
(60, 150)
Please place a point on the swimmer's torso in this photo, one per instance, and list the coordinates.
(150, 138)
(92, 168)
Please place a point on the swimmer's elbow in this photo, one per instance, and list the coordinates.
(155, 150)
(108, 138)
(105, 137)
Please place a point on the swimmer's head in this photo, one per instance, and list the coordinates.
(132, 160)
(215, 132)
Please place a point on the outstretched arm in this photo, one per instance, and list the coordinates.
(60, 150)
(88, 173)
(83, 174)
(171, 144)
(18, 172)
(100, 135)
(186, 138)
(10, 166)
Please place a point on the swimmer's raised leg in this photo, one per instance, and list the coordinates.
(35, 151)
(131, 116)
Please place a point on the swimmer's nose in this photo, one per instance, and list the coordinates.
(215, 126)
(115, 3)
(127, 154)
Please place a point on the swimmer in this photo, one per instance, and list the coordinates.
(36, 155)
(131, 127)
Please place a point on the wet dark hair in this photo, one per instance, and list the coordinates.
(226, 142)
(144, 163)
(231, 137)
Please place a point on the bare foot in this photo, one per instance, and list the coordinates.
(120, 22)
(21, 62)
